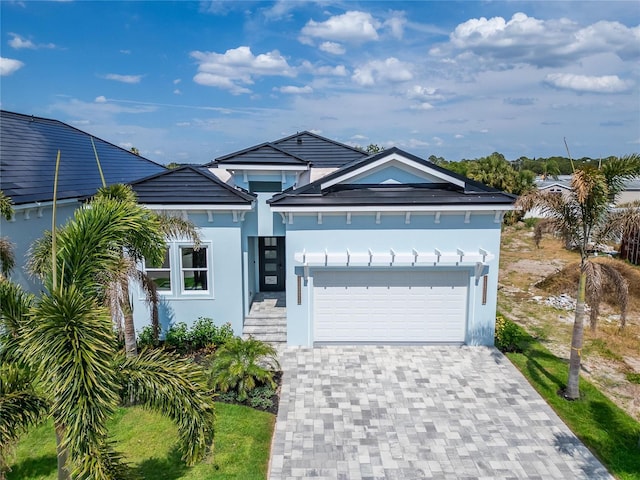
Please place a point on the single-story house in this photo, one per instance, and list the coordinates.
(385, 248)
(367, 248)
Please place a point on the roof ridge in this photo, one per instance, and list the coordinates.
(320, 137)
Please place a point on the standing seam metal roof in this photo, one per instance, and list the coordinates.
(28, 150)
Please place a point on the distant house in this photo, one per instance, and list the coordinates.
(384, 248)
(28, 149)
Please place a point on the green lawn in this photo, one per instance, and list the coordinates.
(242, 442)
(610, 433)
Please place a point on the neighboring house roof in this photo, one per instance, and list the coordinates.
(28, 149)
(296, 149)
(188, 185)
(336, 189)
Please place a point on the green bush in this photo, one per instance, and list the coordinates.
(241, 365)
(509, 336)
(203, 333)
(260, 397)
(178, 337)
(530, 222)
(145, 337)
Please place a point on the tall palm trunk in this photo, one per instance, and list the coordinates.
(63, 470)
(573, 390)
(130, 346)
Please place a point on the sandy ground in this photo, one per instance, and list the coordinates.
(609, 357)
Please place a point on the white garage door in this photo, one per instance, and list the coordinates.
(390, 306)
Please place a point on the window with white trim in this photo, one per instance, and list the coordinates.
(194, 270)
(160, 274)
(184, 272)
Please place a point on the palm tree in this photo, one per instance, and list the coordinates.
(497, 172)
(66, 338)
(147, 243)
(585, 217)
(7, 260)
(240, 365)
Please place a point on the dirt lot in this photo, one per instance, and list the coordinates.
(610, 357)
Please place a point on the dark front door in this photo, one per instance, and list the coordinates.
(271, 253)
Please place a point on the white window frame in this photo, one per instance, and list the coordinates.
(181, 269)
(177, 291)
(148, 269)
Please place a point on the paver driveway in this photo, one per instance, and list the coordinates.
(414, 412)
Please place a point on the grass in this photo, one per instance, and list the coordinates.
(242, 443)
(610, 433)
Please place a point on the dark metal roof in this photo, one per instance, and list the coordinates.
(296, 149)
(345, 194)
(263, 154)
(320, 151)
(188, 185)
(28, 150)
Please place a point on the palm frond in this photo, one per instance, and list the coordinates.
(7, 258)
(618, 170)
(6, 206)
(176, 388)
(14, 307)
(177, 228)
(20, 405)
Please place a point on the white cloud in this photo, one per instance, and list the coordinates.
(19, 42)
(332, 47)
(396, 24)
(291, 89)
(101, 99)
(9, 66)
(418, 92)
(352, 26)
(237, 67)
(500, 43)
(422, 106)
(324, 70)
(583, 83)
(458, 135)
(123, 78)
(177, 81)
(125, 52)
(177, 92)
(376, 71)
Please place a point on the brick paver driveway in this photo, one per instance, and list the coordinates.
(416, 412)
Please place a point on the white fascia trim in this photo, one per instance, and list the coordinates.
(269, 168)
(29, 206)
(201, 207)
(399, 158)
(398, 209)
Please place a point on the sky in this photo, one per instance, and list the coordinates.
(187, 82)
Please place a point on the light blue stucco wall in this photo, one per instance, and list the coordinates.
(422, 234)
(27, 226)
(224, 303)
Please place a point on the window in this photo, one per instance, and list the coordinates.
(269, 187)
(160, 274)
(194, 269)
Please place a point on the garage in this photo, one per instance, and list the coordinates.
(388, 305)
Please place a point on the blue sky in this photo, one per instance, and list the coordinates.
(189, 81)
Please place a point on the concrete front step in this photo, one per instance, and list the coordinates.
(261, 329)
(271, 338)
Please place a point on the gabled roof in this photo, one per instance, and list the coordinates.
(299, 149)
(261, 155)
(336, 189)
(28, 150)
(188, 185)
(320, 151)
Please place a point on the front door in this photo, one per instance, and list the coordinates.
(272, 271)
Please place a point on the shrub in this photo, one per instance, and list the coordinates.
(241, 365)
(509, 336)
(145, 337)
(203, 333)
(530, 222)
(177, 337)
(260, 397)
